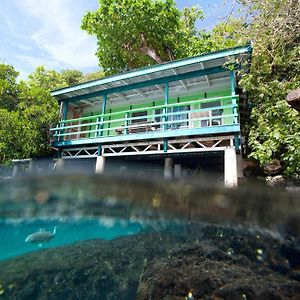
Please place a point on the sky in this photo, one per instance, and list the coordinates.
(47, 32)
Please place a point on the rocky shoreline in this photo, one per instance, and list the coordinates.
(195, 261)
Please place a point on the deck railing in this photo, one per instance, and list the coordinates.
(175, 116)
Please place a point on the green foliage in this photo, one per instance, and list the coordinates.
(127, 29)
(52, 80)
(93, 76)
(8, 87)
(16, 136)
(138, 33)
(26, 112)
(27, 109)
(72, 77)
(47, 79)
(275, 70)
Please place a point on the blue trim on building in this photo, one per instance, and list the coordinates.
(151, 135)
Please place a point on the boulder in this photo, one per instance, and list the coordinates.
(293, 99)
(273, 168)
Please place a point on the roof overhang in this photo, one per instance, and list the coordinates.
(205, 71)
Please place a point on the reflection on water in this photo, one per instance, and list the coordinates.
(127, 239)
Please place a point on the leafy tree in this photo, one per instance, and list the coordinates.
(137, 33)
(72, 77)
(47, 79)
(93, 76)
(16, 136)
(26, 112)
(275, 70)
(132, 33)
(8, 87)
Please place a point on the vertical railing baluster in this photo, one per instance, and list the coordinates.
(126, 122)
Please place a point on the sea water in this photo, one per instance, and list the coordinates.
(129, 238)
(13, 232)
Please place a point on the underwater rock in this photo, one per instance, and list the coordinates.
(186, 261)
(217, 276)
(225, 263)
(95, 269)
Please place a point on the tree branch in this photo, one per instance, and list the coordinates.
(145, 49)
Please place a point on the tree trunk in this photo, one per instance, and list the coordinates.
(145, 49)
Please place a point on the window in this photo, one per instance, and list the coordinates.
(139, 114)
(177, 116)
(181, 116)
(214, 112)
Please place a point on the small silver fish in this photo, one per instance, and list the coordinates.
(41, 236)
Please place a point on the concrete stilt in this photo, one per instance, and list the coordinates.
(59, 165)
(240, 173)
(230, 168)
(168, 171)
(177, 171)
(15, 171)
(31, 167)
(100, 164)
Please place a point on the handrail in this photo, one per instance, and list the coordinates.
(143, 117)
(166, 120)
(210, 118)
(152, 107)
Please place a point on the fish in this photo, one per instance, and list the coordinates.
(41, 236)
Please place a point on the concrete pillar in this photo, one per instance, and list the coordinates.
(168, 171)
(30, 167)
(59, 165)
(100, 164)
(177, 171)
(230, 168)
(16, 169)
(240, 172)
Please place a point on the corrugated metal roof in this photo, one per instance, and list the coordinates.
(93, 89)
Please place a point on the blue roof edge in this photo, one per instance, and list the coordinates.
(156, 68)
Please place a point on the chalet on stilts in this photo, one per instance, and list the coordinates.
(174, 116)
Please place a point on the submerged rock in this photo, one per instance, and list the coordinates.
(217, 276)
(191, 261)
(95, 269)
(212, 279)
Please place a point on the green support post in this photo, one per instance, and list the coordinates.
(64, 117)
(234, 110)
(165, 114)
(126, 122)
(166, 103)
(99, 150)
(165, 145)
(232, 88)
(104, 99)
(109, 119)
